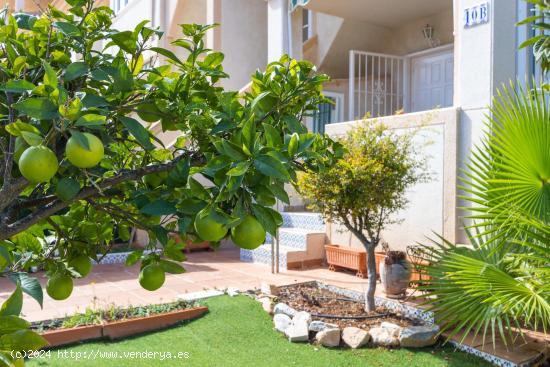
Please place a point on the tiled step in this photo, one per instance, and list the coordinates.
(301, 242)
(303, 220)
(262, 255)
(299, 238)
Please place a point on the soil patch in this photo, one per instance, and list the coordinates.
(334, 308)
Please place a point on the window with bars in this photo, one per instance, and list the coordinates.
(328, 113)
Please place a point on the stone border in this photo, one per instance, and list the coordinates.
(416, 314)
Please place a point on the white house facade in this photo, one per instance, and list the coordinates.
(429, 64)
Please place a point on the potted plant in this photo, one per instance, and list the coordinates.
(395, 274)
(380, 255)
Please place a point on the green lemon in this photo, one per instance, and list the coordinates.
(82, 264)
(249, 234)
(38, 164)
(59, 287)
(152, 277)
(208, 229)
(81, 157)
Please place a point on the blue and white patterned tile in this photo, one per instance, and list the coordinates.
(116, 257)
(262, 255)
(294, 237)
(312, 221)
(497, 361)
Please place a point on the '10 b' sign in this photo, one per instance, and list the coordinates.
(476, 15)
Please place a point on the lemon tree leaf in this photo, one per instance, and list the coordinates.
(138, 131)
(158, 207)
(269, 166)
(133, 257)
(125, 40)
(50, 76)
(239, 169)
(29, 285)
(5, 258)
(67, 188)
(22, 340)
(265, 218)
(14, 304)
(10, 324)
(75, 70)
(31, 138)
(91, 120)
(67, 28)
(16, 127)
(39, 108)
(18, 86)
(81, 139)
(171, 267)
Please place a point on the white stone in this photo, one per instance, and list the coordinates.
(232, 291)
(267, 305)
(418, 336)
(355, 337)
(302, 316)
(317, 326)
(384, 337)
(394, 328)
(328, 337)
(194, 296)
(269, 289)
(298, 331)
(284, 309)
(282, 322)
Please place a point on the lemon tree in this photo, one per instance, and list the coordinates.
(80, 165)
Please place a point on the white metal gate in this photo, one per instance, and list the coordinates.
(376, 84)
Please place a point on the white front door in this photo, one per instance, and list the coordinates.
(432, 81)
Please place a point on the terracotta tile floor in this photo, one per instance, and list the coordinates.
(118, 284)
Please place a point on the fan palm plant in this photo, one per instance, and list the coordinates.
(501, 283)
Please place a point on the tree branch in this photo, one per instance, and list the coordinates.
(10, 192)
(6, 231)
(8, 157)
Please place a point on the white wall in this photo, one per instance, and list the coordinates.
(431, 205)
(408, 38)
(243, 40)
(484, 59)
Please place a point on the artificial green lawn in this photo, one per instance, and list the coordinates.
(237, 332)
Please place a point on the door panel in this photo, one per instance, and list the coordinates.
(432, 81)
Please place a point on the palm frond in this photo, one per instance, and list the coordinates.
(507, 180)
(481, 290)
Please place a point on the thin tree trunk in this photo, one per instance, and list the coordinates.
(371, 271)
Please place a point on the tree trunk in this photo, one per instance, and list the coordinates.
(371, 271)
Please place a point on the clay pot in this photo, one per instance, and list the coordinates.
(395, 277)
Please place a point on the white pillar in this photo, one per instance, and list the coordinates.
(277, 23)
(485, 57)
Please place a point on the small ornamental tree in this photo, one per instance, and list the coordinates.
(365, 189)
(79, 161)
